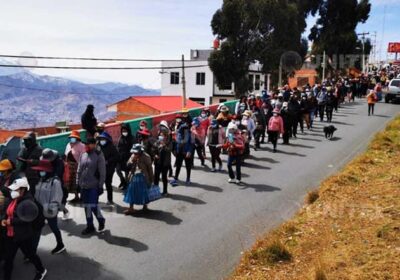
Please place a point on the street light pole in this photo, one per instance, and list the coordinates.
(323, 66)
(183, 83)
(280, 73)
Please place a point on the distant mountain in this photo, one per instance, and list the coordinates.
(30, 100)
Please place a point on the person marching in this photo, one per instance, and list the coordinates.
(91, 175)
(215, 141)
(89, 121)
(275, 127)
(234, 144)
(111, 157)
(162, 160)
(49, 195)
(73, 152)
(124, 146)
(199, 140)
(141, 174)
(371, 100)
(20, 230)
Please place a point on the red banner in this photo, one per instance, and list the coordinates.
(394, 48)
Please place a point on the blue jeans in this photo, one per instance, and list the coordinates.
(238, 160)
(90, 199)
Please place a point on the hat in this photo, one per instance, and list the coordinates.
(276, 110)
(164, 123)
(101, 125)
(105, 135)
(143, 122)
(19, 183)
(224, 108)
(49, 154)
(90, 141)
(75, 134)
(44, 165)
(185, 110)
(144, 132)
(137, 148)
(248, 113)
(5, 165)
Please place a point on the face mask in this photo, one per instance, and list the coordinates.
(230, 137)
(72, 140)
(14, 194)
(237, 122)
(178, 120)
(203, 116)
(125, 134)
(142, 127)
(275, 114)
(103, 142)
(42, 173)
(161, 138)
(245, 117)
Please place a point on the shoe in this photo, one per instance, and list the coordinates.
(66, 215)
(110, 203)
(102, 227)
(274, 151)
(40, 275)
(238, 182)
(174, 183)
(188, 183)
(213, 170)
(129, 211)
(88, 230)
(59, 249)
(165, 194)
(231, 181)
(220, 168)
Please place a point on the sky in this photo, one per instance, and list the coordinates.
(156, 29)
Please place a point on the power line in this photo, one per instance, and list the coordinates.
(56, 91)
(88, 58)
(99, 68)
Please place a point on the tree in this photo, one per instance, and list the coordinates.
(257, 30)
(335, 28)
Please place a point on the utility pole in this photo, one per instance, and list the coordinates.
(363, 49)
(323, 66)
(183, 83)
(280, 73)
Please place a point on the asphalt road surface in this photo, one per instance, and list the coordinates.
(200, 231)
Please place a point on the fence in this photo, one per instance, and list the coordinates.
(59, 141)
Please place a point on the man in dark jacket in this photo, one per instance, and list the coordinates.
(294, 110)
(112, 158)
(20, 230)
(89, 121)
(29, 156)
(124, 147)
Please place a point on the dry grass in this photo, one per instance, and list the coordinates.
(352, 225)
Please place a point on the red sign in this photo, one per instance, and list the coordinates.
(394, 48)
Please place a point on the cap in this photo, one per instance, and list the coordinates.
(105, 135)
(49, 154)
(101, 125)
(19, 183)
(44, 165)
(224, 108)
(137, 148)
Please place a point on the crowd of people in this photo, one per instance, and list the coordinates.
(36, 188)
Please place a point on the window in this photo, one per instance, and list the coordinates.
(251, 83)
(222, 100)
(200, 79)
(227, 86)
(174, 78)
(201, 101)
(257, 83)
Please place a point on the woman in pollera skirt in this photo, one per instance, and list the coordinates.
(141, 177)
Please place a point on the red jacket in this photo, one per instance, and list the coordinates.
(235, 148)
(276, 124)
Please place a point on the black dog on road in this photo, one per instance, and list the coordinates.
(329, 130)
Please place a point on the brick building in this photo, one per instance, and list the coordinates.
(143, 106)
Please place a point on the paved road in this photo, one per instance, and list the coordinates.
(200, 231)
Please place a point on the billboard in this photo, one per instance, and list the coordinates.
(394, 48)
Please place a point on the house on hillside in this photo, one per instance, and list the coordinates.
(200, 81)
(143, 106)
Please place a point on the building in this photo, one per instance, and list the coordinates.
(143, 106)
(200, 81)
